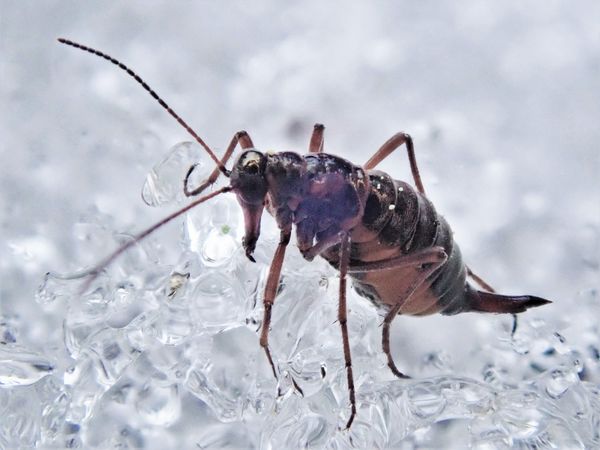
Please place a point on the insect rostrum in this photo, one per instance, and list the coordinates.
(383, 233)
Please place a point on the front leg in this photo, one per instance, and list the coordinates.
(322, 244)
(245, 142)
(271, 292)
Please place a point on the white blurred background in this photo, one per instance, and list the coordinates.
(502, 100)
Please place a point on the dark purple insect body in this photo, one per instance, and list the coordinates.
(326, 197)
(383, 233)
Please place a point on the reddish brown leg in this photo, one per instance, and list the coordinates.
(427, 256)
(480, 281)
(391, 315)
(245, 142)
(392, 144)
(322, 245)
(343, 319)
(316, 140)
(433, 257)
(271, 291)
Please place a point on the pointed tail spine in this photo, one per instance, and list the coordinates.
(494, 303)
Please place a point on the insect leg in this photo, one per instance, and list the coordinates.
(343, 319)
(391, 315)
(245, 142)
(321, 245)
(515, 323)
(271, 292)
(430, 255)
(480, 281)
(316, 140)
(433, 257)
(392, 144)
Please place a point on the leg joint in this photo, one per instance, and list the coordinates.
(284, 238)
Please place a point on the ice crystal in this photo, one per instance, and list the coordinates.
(156, 346)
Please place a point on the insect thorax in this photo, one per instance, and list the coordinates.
(320, 193)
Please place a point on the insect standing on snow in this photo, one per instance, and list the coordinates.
(381, 232)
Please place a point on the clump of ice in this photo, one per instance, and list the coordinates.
(164, 183)
(153, 348)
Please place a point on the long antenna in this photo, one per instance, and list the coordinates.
(162, 103)
(95, 271)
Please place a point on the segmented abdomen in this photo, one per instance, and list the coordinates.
(399, 220)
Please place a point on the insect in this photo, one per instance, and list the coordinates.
(383, 233)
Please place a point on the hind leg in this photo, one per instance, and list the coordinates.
(480, 281)
(392, 313)
(428, 260)
(514, 327)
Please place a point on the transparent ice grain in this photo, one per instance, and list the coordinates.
(20, 366)
(164, 183)
(167, 339)
(224, 375)
(158, 403)
(20, 414)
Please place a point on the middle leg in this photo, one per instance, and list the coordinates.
(316, 140)
(343, 320)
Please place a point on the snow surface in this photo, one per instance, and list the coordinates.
(502, 100)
